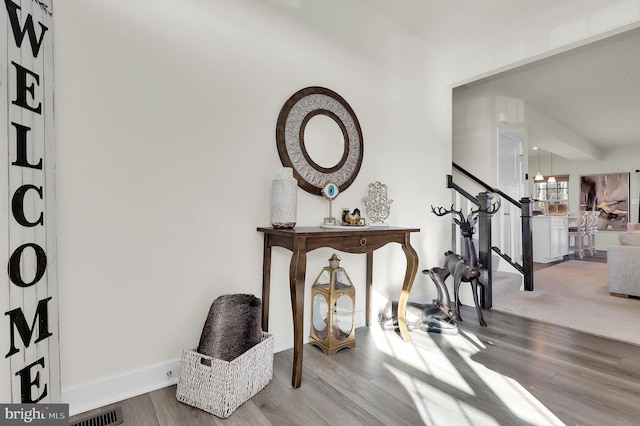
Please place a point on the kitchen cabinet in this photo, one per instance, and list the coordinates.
(550, 238)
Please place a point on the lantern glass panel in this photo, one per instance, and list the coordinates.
(320, 312)
(342, 281)
(324, 280)
(344, 316)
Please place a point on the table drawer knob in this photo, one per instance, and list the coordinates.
(363, 241)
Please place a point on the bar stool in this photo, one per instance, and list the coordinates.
(577, 234)
(591, 231)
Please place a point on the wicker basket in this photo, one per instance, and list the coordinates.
(224, 386)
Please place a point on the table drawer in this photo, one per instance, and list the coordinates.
(362, 241)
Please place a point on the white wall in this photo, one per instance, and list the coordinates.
(476, 122)
(165, 122)
(570, 24)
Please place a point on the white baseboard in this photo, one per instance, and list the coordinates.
(119, 388)
(125, 386)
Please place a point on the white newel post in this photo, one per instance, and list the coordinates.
(29, 339)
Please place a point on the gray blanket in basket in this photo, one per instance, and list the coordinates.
(233, 326)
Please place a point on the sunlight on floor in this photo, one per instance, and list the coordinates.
(449, 387)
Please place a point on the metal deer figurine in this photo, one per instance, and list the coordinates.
(463, 272)
(465, 268)
(435, 318)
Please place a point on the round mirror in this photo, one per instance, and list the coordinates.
(323, 141)
(319, 137)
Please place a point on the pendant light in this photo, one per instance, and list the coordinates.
(539, 177)
(552, 179)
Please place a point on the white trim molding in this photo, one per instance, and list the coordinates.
(119, 388)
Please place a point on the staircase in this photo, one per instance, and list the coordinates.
(505, 278)
(503, 281)
(494, 279)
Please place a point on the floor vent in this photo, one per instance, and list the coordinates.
(106, 418)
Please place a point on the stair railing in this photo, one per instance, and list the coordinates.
(483, 201)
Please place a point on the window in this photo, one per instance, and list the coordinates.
(551, 198)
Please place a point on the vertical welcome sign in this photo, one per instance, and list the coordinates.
(29, 341)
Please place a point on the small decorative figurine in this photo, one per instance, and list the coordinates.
(345, 212)
(353, 218)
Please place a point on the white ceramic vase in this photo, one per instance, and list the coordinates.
(284, 199)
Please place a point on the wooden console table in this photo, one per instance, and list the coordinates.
(302, 240)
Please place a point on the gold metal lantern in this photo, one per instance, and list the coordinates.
(333, 309)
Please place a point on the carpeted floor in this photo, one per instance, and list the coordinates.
(575, 294)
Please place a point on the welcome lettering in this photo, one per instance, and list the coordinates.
(28, 98)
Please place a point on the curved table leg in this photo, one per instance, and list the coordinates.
(409, 277)
(297, 272)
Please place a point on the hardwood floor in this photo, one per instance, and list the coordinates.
(513, 372)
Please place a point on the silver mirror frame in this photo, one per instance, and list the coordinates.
(294, 116)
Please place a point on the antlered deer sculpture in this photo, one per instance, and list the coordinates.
(465, 268)
(439, 317)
